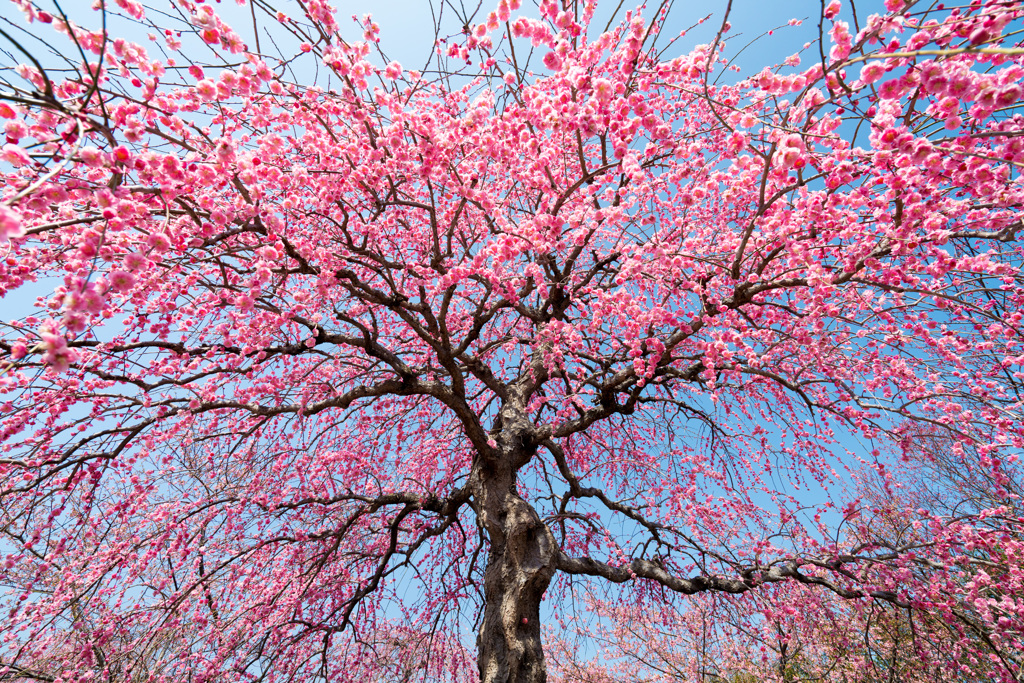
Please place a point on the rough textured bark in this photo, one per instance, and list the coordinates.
(522, 561)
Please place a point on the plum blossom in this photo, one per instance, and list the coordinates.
(603, 90)
(792, 151)
(871, 72)
(57, 355)
(206, 89)
(15, 130)
(14, 155)
(11, 224)
(121, 280)
(91, 156)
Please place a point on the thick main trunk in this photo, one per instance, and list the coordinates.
(519, 569)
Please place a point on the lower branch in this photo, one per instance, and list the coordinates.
(749, 578)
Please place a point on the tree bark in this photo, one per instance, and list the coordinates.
(521, 563)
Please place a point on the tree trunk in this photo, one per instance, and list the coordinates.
(519, 569)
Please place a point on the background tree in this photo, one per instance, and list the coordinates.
(324, 364)
(717, 637)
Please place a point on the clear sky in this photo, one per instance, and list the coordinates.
(407, 26)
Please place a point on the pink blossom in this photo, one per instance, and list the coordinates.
(603, 90)
(871, 72)
(948, 105)
(225, 151)
(158, 242)
(19, 350)
(960, 85)
(986, 98)
(134, 260)
(980, 35)
(890, 90)
(11, 224)
(841, 39)
(737, 141)
(793, 140)
(121, 280)
(792, 158)
(14, 155)
(57, 354)
(1008, 95)
(91, 156)
(206, 89)
(121, 154)
(15, 130)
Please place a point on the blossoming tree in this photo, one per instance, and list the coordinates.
(344, 371)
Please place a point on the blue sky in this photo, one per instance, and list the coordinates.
(407, 25)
